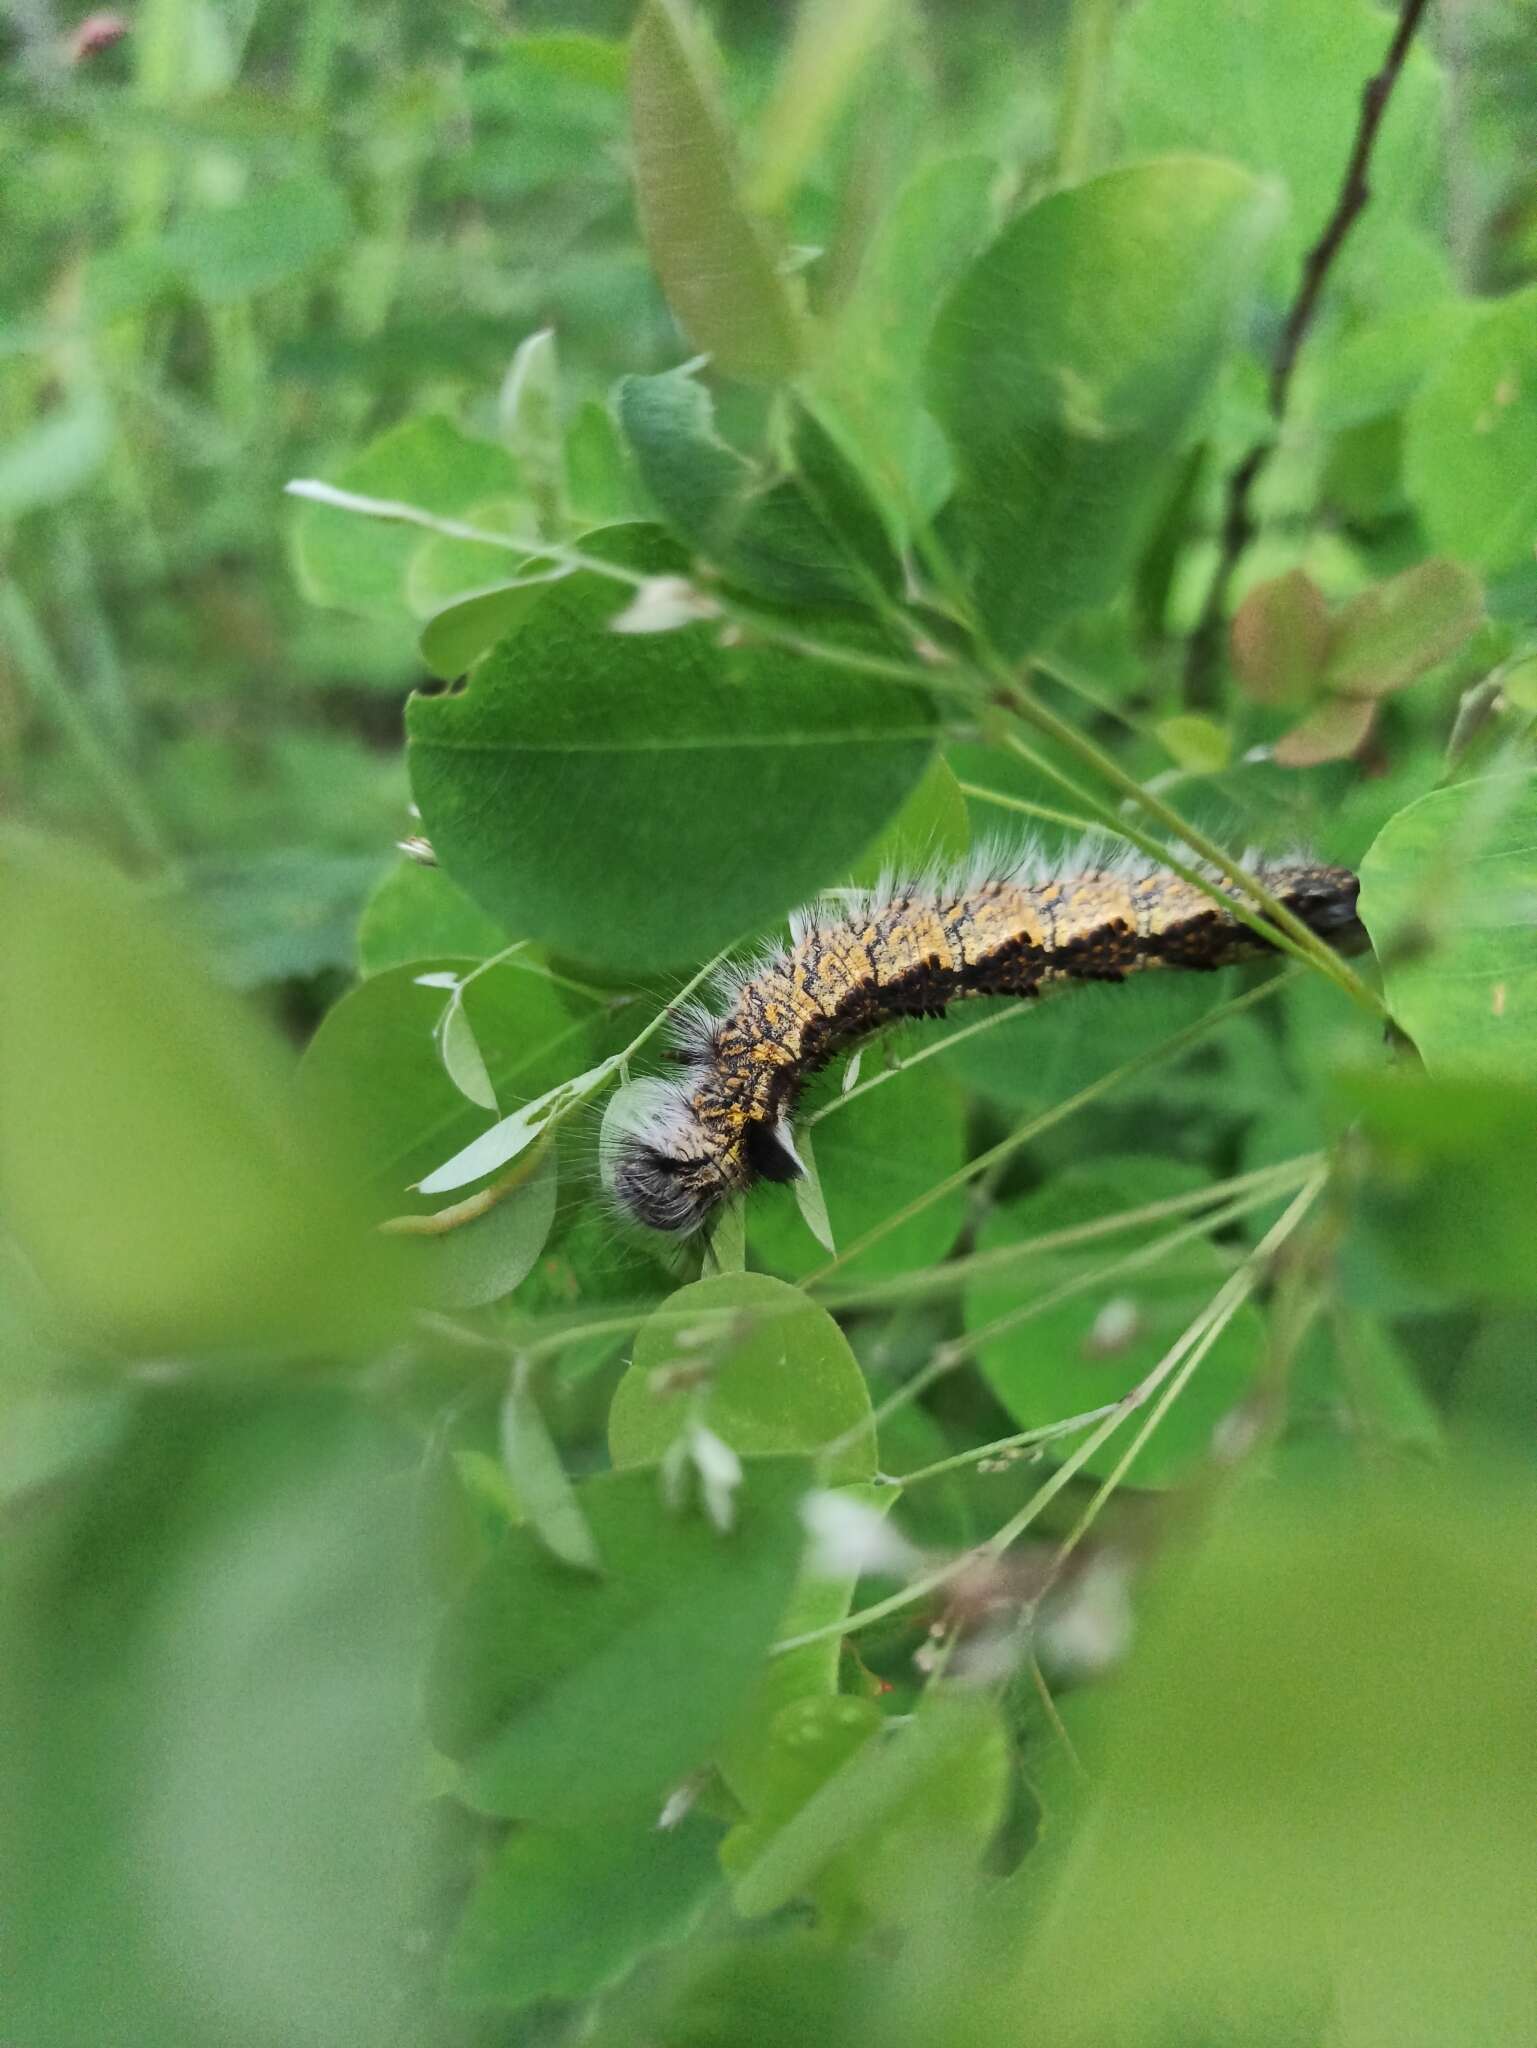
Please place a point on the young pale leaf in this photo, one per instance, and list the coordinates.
(529, 414)
(505, 1140)
(567, 1697)
(640, 800)
(546, 1496)
(809, 1198)
(462, 1059)
(715, 260)
(360, 563)
(1331, 733)
(833, 41)
(1067, 369)
(725, 1249)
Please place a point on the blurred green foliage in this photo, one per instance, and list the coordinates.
(1066, 1578)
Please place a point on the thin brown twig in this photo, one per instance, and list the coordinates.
(1237, 520)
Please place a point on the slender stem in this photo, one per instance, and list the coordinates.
(1287, 925)
(1350, 201)
(35, 663)
(1197, 1337)
(1166, 1048)
(1085, 88)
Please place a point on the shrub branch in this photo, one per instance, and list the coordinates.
(1237, 520)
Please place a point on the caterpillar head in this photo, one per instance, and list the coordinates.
(669, 1172)
(1325, 900)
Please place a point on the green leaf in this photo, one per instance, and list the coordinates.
(544, 1493)
(1101, 1341)
(567, 1697)
(1470, 451)
(870, 372)
(932, 828)
(360, 563)
(763, 533)
(529, 413)
(1387, 636)
(715, 260)
(1445, 1207)
(865, 1823)
(417, 913)
(774, 1374)
(832, 42)
(150, 1161)
(1068, 367)
(481, 1260)
(455, 638)
(641, 800)
(1449, 895)
(1291, 1741)
(1276, 85)
(234, 1594)
(49, 461)
(1199, 745)
(275, 233)
(565, 1913)
(875, 1153)
(444, 572)
(375, 1065)
(602, 491)
(747, 1758)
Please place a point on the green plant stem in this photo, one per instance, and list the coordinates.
(1305, 943)
(37, 667)
(1178, 1363)
(948, 1357)
(1082, 120)
(1166, 1048)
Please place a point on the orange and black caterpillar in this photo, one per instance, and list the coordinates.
(999, 928)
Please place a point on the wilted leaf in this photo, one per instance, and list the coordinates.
(1280, 639)
(1331, 733)
(1389, 635)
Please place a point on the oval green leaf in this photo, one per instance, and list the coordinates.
(1470, 451)
(641, 800)
(780, 1377)
(1067, 368)
(567, 1696)
(1449, 895)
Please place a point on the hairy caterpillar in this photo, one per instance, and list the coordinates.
(1006, 927)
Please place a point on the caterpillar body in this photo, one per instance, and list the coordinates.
(1002, 927)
